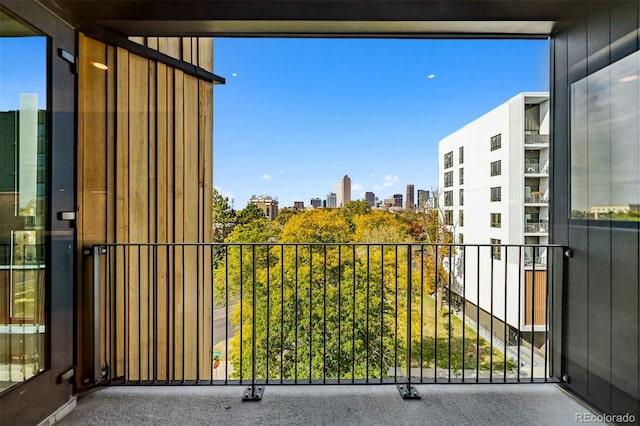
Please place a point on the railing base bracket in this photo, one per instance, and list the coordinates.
(253, 393)
(408, 392)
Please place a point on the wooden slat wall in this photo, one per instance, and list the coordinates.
(144, 174)
(540, 302)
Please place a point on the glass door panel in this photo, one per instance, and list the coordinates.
(23, 163)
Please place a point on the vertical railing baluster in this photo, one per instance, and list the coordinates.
(421, 312)
(478, 312)
(324, 320)
(155, 313)
(183, 353)
(547, 311)
(253, 320)
(435, 315)
(395, 346)
(268, 249)
(366, 335)
(520, 272)
(409, 302)
(533, 310)
(281, 313)
(227, 248)
(310, 310)
(241, 247)
(296, 320)
(505, 338)
(198, 284)
(212, 307)
(451, 271)
(464, 310)
(491, 315)
(353, 318)
(339, 313)
(139, 313)
(382, 305)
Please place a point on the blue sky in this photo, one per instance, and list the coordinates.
(298, 114)
(23, 69)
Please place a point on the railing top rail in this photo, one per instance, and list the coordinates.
(350, 244)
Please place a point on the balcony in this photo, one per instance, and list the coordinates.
(329, 405)
(536, 198)
(536, 139)
(536, 227)
(533, 168)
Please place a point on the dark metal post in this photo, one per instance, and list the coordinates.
(253, 393)
(98, 371)
(408, 391)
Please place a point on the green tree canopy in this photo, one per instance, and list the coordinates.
(250, 213)
(224, 217)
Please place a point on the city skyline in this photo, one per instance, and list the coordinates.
(295, 115)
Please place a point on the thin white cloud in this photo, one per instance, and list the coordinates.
(430, 76)
(224, 192)
(387, 184)
(233, 74)
(391, 178)
(377, 187)
(266, 176)
(357, 187)
(373, 175)
(281, 171)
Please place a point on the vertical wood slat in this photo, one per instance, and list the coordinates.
(539, 304)
(153, 178)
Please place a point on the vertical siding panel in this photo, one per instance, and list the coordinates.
(178, 216)
(162, 45)
(186, 49)
(174, 47)
(205, 54)
(599, 258)
(122, 204)
(152, 215)
(161, 209)
(152, 43)
(138, 206)
(171, 278)
(195, 60)
(206, 179)
(191, 220)
(576, 313)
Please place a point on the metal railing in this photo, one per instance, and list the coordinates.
(536, 139)
(536, 199)
(536, 227)
(262, 314)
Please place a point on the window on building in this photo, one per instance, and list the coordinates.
(461, 155)
(461, 176)
(496, 142)
(461, 197)
(448, 160)
(448, 217)
(461, 238)
(496, 220)
(497, 250)
(496, 168)
(496, 193)
(448, 198)
(461, 217)
(448, 179)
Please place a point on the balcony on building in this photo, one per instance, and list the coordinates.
(536, 141)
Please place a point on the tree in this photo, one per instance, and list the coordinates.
(224, 217)
(250, 213)
(285, 214)
(353, 209)
(316, 226)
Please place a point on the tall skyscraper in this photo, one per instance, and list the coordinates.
(316, 203)
(370, 197)
(410, 201)
(346, 190)
(423, 196)
(397, 200)
(337, 188)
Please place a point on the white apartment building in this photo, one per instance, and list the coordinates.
(494, 189)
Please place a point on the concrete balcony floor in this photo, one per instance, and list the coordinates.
(492, 404)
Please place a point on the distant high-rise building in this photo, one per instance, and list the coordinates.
(298, 205)
(267, 204)
(423, 196)
(370, 197)
(316, 203)
(397, 200)
(410, 203)
(338, 192)
(332, 200)
(346, 190)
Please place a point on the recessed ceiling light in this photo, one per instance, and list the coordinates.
(99, 65)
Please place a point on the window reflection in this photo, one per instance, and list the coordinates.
(605, 143)
(23, 148)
